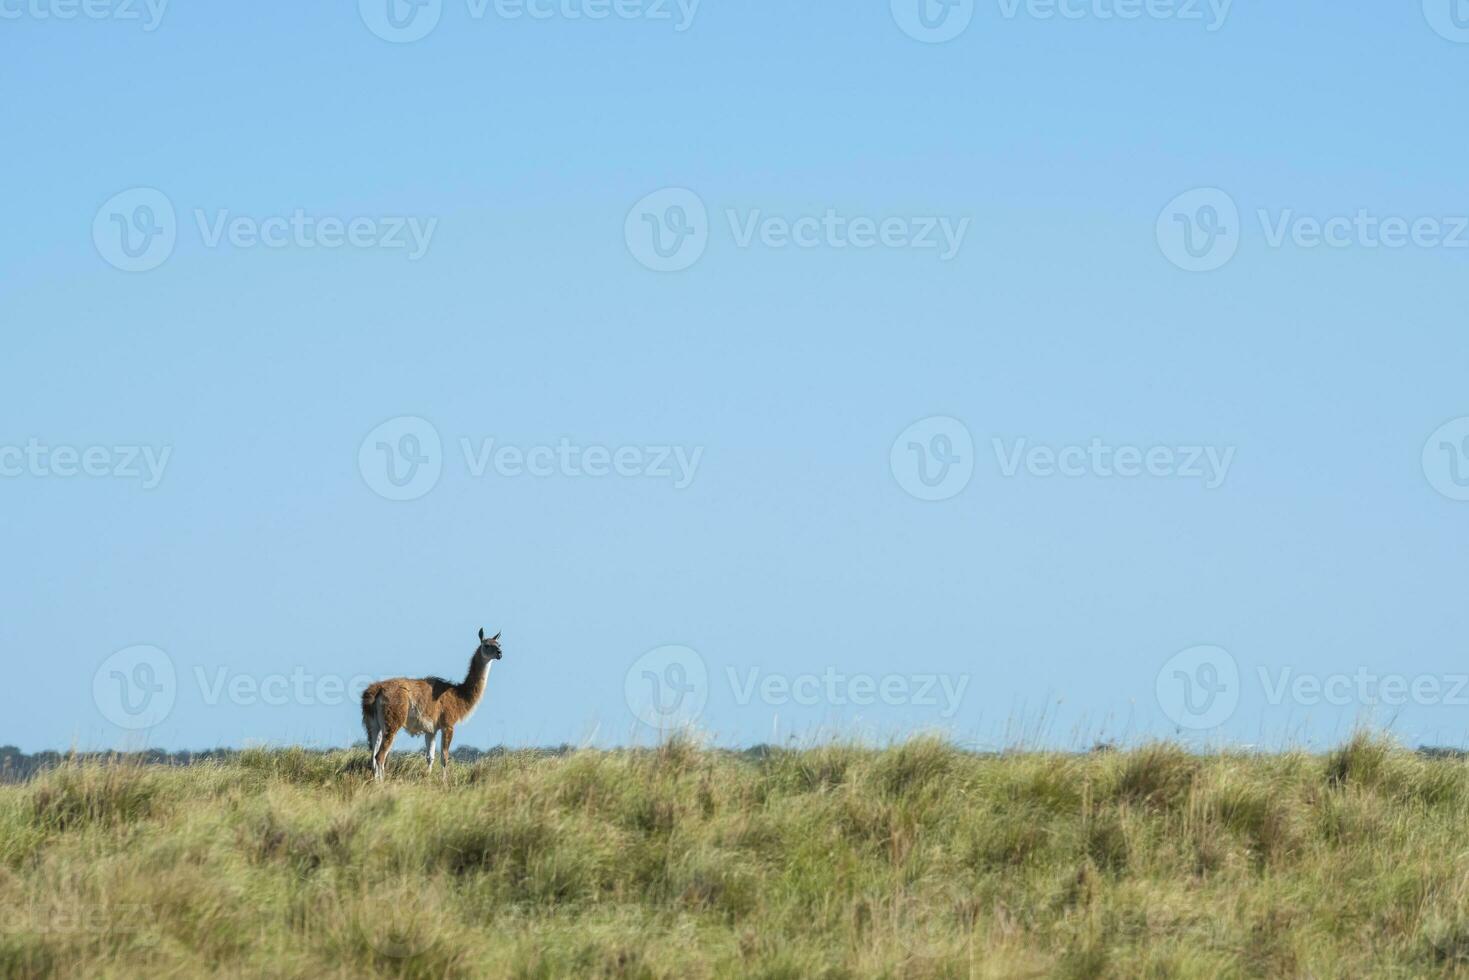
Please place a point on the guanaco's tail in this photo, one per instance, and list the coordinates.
(371, 713)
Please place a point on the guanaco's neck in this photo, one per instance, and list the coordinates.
(473, 687)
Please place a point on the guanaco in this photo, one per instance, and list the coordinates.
(428, 707)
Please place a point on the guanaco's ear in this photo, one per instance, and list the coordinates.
(497, 637)
(482, 634)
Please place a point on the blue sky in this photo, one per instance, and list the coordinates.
(794, 564)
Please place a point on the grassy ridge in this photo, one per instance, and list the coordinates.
(918, 860)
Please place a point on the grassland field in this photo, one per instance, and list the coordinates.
(911, 861)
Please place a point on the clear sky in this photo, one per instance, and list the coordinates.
(707, 247)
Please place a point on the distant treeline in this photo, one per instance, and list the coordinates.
(17, 766)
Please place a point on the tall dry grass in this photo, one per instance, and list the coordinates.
(919, 860)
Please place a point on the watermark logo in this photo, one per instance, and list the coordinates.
(676, 463)
(1211, 13)
(1199, 688)
(1207, 464)
(668, 230)
(933, 21)
(680, 13)
(402, 459)
(1446, 459)
(933, 459)
(148, 12)
(73, 921)
(836, 689)
(307, 231)
(300, 687)
(396, 932)
(401, 21)
(135, 688)
(667, 687)
(1363, 687)
(1450, 18)
(1362, 230)
(836, 231)
(135, 230)
(934, 921)
(41, 461)
(1199, 231)
(405, 21)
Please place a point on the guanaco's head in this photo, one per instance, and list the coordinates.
(489, 647)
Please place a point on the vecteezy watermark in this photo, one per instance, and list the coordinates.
(138, 688)
(403, 459)
(300, 687)
(80, 920)
(40, 461)
(1209, 464)
(667, 687)
(1363, 687)
(405, 21)
(923, 916)
(307, 231)
(136, 230)
(1200, 231)
(838, 689)
(148, 13)
(676, 463)
(135, 688)
(668, 230)
(1363, 230)
(1200, 688)
(1446, 459)
(1449, 18)
(933, 21)
(1210, 13)
(834, 230)
(394, 932)
(936, 21)
(401, 21)
(933, 459)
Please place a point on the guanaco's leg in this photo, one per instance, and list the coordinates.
(374, 742)
(382, 755)
(448, 740)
